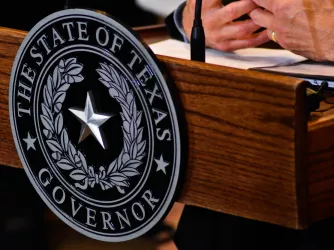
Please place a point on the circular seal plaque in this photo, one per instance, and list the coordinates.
(96, 125)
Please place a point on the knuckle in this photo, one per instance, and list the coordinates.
(250, 43)
(280, 29)
(283, 42)
(242, 31)
(208, 24)
(230, 12)
(275, 25)
(281, 8)
(214, 37)
(215, 40)
(223, 47)
(211, 41)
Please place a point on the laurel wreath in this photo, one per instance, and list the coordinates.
(67, 157)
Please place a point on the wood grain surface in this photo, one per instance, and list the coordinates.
(321, 163)
(243, 142)
(10, 40)
(247, 138)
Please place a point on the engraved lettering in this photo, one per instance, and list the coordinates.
(56, 38)
(75, 210)
(98, 36)
(47, 180)
(160, 115)
(107, 224)
(144, 76)
(124, 218)
(68, 26)
(24, 91)
(90, 217)
(28, 73)
(139, 213)
(82, 29)
(42, 40)
(117, 43)
(62, 195)
(153, 94)
(33, 54)
(148, 197)
(135, 59)
(22, 110)
(162, 136)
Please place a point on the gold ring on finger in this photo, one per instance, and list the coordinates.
(273, 36)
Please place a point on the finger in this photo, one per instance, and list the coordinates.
(253, 41)
(233, 11)
(237, 30)
(262, 18)
(267, 4)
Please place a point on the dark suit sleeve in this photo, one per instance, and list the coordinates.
(174, 24)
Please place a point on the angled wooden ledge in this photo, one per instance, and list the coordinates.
(248, 139)
(247, 136)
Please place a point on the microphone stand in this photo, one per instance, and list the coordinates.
(197, 39)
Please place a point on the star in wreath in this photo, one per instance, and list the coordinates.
(66, 156)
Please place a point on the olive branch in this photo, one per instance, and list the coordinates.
(67, 157)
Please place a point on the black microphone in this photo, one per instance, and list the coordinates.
(197, 39)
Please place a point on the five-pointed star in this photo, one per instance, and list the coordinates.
(30, 142)
(161, 164)
(90, 120)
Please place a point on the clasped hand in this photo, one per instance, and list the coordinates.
(222, 31)
(305, 27)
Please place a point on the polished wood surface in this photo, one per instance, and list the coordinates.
(10, 40)
(247, 139)
(321, 163)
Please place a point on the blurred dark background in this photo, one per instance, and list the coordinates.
(21, 212)
(24, 14)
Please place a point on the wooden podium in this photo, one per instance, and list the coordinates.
(253, 151)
